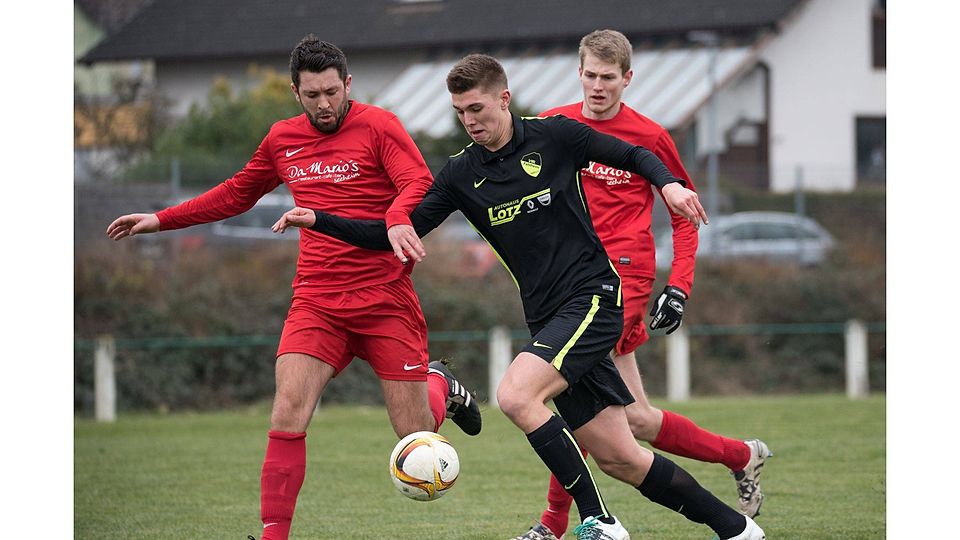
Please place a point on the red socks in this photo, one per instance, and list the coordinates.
(283, 469)
(681, 437)
(285, 464)
(437, 390)
(557, 515)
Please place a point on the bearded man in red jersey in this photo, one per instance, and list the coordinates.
(354, 160)
(621, 206)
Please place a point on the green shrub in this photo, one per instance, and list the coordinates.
(217, 138)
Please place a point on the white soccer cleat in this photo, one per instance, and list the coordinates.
(749, 496)
(751, 532)
(594, 529)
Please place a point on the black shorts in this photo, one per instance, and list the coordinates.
(577, 341)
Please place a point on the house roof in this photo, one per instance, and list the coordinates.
(111, 15)
(181, 29)
(673, 86)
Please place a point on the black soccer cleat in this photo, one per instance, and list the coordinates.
(462, 408)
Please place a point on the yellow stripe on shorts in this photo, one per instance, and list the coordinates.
(594, 306)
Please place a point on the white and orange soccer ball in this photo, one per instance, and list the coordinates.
(424, 466)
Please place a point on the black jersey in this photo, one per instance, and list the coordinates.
(527, 202)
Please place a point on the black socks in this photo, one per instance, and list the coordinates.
(554, 443)
(669, 485)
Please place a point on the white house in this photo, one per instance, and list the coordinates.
(800, 83)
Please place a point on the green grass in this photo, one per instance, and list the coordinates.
(196, 476)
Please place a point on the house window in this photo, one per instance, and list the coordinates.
(872, 150)
(879, 34)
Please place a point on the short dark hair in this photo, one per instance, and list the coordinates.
(476, 71)
(315, 56)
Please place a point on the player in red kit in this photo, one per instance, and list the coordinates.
(353, 160)
(621, 205)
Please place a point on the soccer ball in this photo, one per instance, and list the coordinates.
(424, 466)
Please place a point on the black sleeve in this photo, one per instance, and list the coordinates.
(372, 233)
(591, 145)
(364, 233)
(603, 148)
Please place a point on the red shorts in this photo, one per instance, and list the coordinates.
(382, 324)
(636, 294)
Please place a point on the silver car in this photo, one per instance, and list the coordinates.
(777, 236)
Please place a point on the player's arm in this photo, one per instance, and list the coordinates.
(666, 314)
(406, 168)
(132, 224)
(587, 144)
(685, 236)
(231, 197)
(372, 233)
(603, 148)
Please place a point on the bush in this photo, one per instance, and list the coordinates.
(216, 139)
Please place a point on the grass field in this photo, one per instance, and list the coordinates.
(196, 476)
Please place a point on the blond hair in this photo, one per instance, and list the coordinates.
(609, 46)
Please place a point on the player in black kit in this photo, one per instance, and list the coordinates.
(519, 187)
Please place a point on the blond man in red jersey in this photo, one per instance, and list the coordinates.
(621, 205)
(354, 160)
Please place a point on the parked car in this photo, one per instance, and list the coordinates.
(255, 223)
(776, 236)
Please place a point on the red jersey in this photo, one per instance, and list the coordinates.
(369, 168)
(621, 202)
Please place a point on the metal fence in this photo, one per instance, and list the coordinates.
(501, 348)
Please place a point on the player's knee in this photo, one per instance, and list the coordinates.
(513, 403)
(620, 465)
(508, 402)
(290, 413)
(644, 421)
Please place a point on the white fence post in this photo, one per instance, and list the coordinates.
(104, 380)
(855, 335)
(678, 365)
(501, 354)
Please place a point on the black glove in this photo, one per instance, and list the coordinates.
(667, 312)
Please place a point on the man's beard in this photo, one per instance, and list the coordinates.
(331, 128)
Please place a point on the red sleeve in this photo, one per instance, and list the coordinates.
(406, 169)
(233, 196)
(685, 237)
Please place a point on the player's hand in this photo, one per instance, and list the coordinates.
(132, 224)
(667, 312)
(405, 241)
(685, 202)
(297, 217)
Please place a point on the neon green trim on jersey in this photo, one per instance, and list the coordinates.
(619, 287)
(594, 307)
(499, 258)
(583, 199)
(462, 151)
(573, 441)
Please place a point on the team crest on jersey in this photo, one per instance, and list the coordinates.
(531, 163)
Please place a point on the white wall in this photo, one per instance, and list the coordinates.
(822, 78)
(741, 99)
